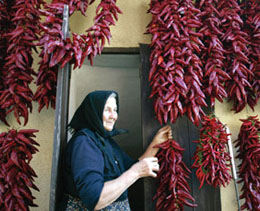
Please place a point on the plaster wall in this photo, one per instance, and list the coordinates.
(128, 32)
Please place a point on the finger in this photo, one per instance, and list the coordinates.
(156, 167)
(153, 159)
(170, 135)
(165, 129)
(153, 174)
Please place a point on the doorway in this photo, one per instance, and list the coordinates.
(119, 72)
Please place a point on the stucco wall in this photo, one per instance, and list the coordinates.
(128, 32)
(130, 27)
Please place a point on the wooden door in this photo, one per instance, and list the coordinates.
(185, 132)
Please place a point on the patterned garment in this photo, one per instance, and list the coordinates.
(75, 204)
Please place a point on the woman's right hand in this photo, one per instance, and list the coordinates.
(114, 188)
(146, 167)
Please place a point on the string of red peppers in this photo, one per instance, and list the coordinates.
(4, 22)
(251, 12)
(16, 175)
(212, 54)
(18, 31)
(19, 36)
(235, 41)
(173, 191)
(248, 145)
(211, 158)
(57, 52)
(208, 45)
(176, 70)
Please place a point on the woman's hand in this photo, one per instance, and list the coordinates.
(114, 188)
(162, 135)
(146, 167)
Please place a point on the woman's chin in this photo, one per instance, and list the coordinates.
(109, 129)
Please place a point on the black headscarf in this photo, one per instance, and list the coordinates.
(90, 114)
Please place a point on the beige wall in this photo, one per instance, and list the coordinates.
(129, 32)
(131, 25)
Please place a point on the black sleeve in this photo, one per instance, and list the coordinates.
(87, 166)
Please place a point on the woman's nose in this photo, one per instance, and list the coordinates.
(113, 115)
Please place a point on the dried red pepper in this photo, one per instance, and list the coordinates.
(16, 175)
(176, 70)
(173, 191)
(50, 42)
(5, 26)
(248, 145)
(4, 21)
(57, 52)
(20, 33)
(236, 43)
(211, 158)
(212, 54)
(251, 14)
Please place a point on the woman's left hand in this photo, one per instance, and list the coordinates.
(162, 135)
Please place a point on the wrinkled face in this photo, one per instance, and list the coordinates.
(110, 114)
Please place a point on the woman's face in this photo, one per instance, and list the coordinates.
(110, 114)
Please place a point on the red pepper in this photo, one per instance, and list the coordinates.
(211, 157)
(173, 82)
(173, 190)
(251, 10)
(16, 175)
(19, 23)
(248, 145)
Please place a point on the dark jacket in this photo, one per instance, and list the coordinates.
(85, 169)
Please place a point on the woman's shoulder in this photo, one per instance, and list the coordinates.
(83, 137)
(85, 132)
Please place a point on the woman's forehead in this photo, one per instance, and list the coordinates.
(111, 101)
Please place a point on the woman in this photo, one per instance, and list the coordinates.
(97, 172)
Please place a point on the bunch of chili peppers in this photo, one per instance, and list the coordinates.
(212, 54)
(16, 175)
(173, 191)
(176, 69)
(251, 13)
(235, 41)
(50, 40)
(22, 19)
(4, 22)
(248, 145)
(211, 158)
(217, 36)
(57, 51)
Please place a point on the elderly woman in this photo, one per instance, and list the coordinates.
(97, 172)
